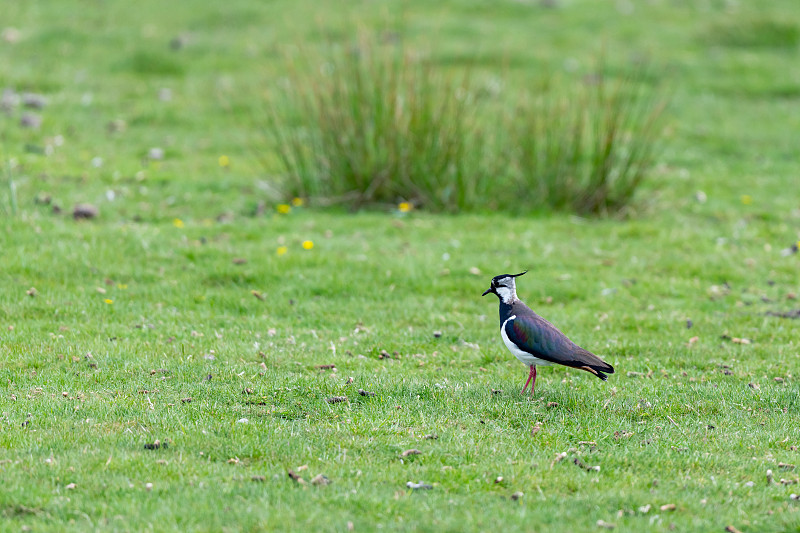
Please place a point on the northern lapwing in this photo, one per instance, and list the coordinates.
(535, 341)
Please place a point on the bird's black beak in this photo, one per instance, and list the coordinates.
(490, 289)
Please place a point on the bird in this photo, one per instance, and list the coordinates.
(535, 341)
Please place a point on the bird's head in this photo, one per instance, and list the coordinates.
(504, 287)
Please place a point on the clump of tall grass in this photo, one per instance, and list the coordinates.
(373, 124)
(585, 148)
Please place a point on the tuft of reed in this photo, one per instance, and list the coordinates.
(586, 148)
(376, 125)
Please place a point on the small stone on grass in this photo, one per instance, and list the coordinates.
(320, 479)
(336, 399)
(412, 451)
(84, 211)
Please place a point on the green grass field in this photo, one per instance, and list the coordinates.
(142, 325)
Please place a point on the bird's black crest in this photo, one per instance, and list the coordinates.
(501, 276)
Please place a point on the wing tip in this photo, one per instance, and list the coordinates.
(599, 371)
(608, 369)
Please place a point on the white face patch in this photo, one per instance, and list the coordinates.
(508, 295)
(506, 290)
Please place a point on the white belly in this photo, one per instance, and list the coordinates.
(525, 357)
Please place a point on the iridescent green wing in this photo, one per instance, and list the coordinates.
(540, 338)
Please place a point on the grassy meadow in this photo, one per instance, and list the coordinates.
(165, 365)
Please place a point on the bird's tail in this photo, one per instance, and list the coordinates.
(597, 372)
(595, 365)
(601, 375)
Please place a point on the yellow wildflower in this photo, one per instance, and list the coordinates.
(224, 161)
(108, 301)
(282, 250)
(747, 199)
(122, 286)
(178, 223)
(298, 202)
(404, 207)
(284, 209)
(307, 245)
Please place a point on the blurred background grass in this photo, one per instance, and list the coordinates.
(195, 83)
